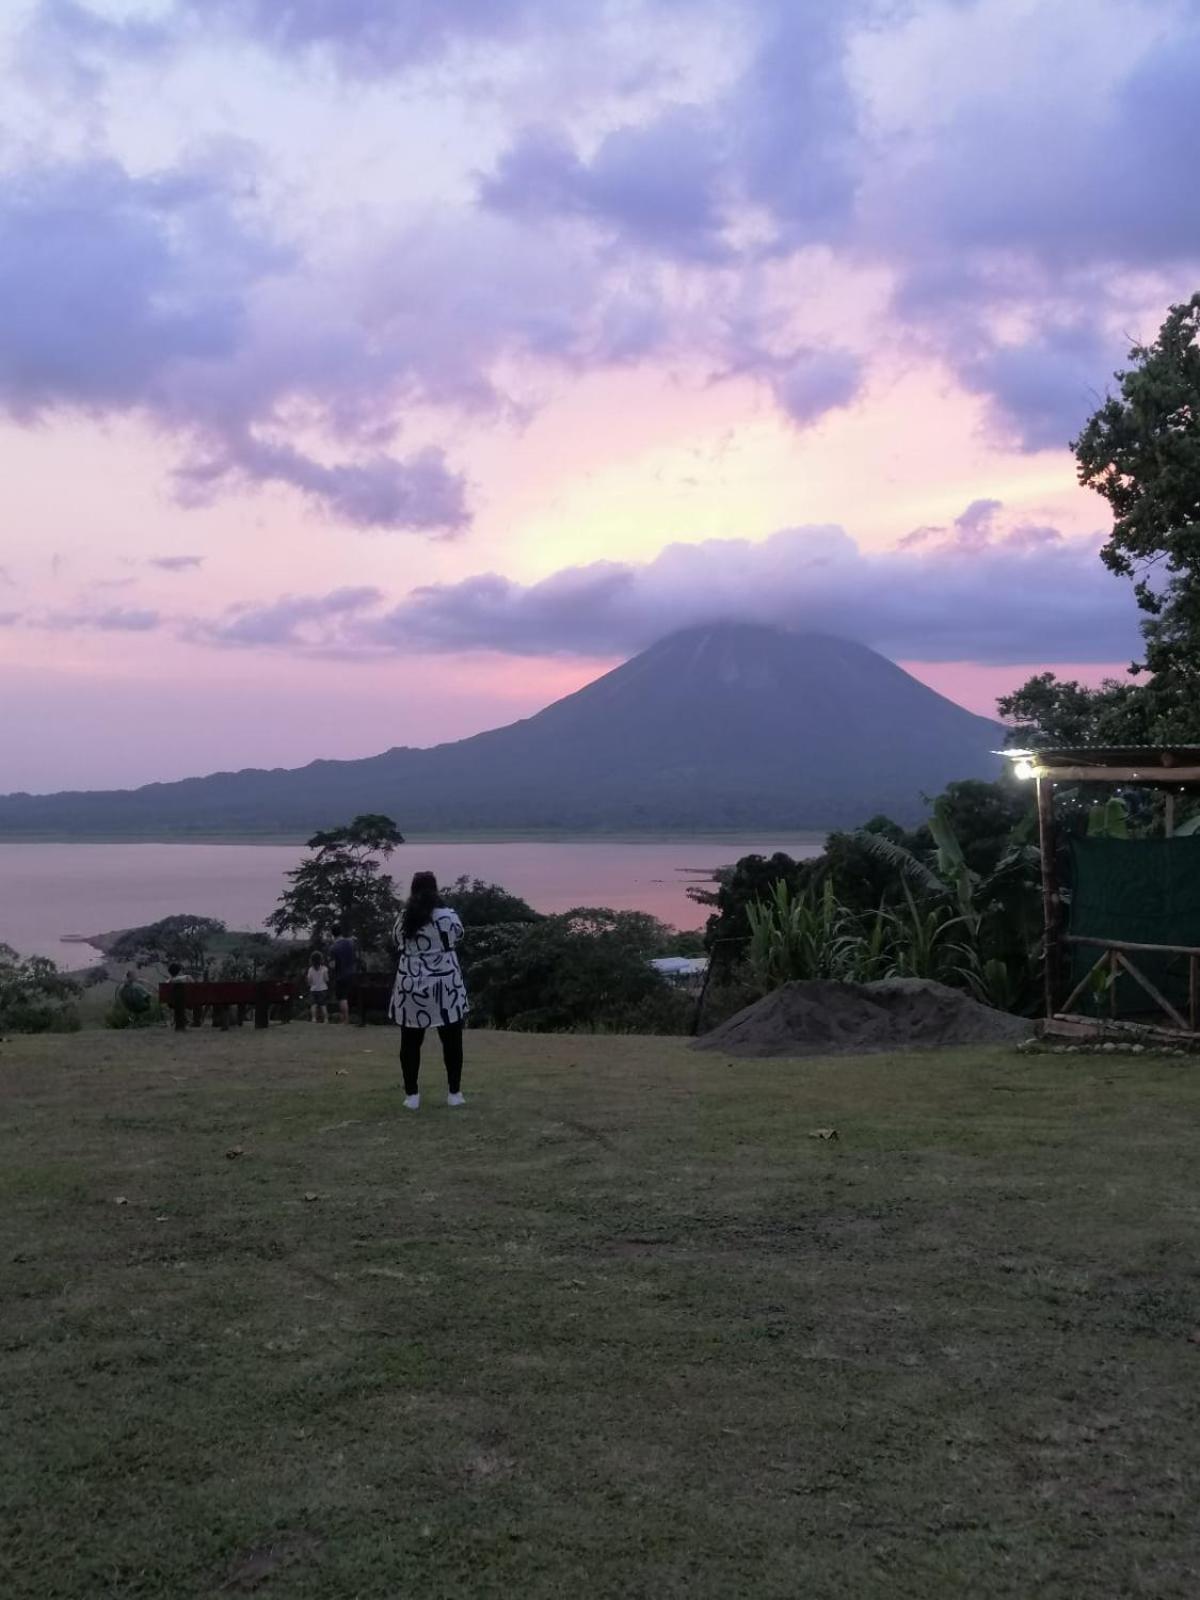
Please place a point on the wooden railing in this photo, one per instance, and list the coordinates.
(1116, 957)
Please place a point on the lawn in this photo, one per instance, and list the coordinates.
(621, 1328)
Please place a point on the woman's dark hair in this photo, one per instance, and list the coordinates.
(419, 909)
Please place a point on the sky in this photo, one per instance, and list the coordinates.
(373, 372)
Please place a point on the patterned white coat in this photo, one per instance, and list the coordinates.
(429, 990)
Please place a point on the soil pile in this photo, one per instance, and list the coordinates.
(820, 1018)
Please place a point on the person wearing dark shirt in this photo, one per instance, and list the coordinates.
(343, 957)
(134, 996)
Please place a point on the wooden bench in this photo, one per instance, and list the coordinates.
(230, 1000)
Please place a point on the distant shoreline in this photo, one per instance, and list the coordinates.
(707, 836)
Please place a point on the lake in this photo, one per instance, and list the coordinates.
(48, 890)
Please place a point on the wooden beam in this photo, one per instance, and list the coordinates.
(1128, 944)
(1140, 977)
(1169, 816)
(1114, 962)
(1050, 902)
(1065, 1027)
(1101, 961)
(1146, 777)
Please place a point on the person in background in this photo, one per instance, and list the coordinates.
(176, 974)
(343, 954)
(134, 996)
(429, 990)
(318, 987)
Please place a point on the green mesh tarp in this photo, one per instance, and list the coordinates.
(1144, 891)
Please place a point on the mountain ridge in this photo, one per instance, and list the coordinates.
(727, 726)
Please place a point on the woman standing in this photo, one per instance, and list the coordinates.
(429, 991)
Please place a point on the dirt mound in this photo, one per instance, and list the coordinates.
(819, 1018)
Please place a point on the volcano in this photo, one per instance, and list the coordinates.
(727, 727)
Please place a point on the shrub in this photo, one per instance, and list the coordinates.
(586, 969)
(119, 1016)
(35, 997)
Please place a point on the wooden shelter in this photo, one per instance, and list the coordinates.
(1172, 770)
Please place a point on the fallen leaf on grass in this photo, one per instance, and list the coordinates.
(120, 1201)
(823, 1133)
(163, 1218)
(234, 1152)
(312, 1195)
(1194, 1336)
(341, 1073)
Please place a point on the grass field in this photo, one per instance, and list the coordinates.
(621, 1328)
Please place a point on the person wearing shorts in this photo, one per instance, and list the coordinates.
(318, 987)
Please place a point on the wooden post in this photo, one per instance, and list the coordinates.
(262, 1006)
(1050, 900)
(1114, 972)
(221, 1018)
(1169, 816)
(1193, 990)
(179, 1008)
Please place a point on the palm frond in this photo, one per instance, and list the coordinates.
(910, 867)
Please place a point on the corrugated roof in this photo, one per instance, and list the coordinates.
(1117, 755)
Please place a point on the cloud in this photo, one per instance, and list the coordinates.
(421, 493)
(374, 38)
(113, 283)
(1042, 207)
(176, 563)
(361, 39)
(799, 142)
(659, 185)
(117, 619)
(147, 295)
(814, 382)
(297, 621)
(1022, 213)
(979, 591)
(1043, 390)
(69, 44)
(781, 142)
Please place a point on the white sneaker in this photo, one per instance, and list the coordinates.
(456, 1100)
(412, 1102)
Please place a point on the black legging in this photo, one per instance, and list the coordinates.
(411, 1040)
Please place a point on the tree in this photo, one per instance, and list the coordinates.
(342, 883)
(486, 905)
(751, 879)
(185, 938)
(34, 996)
(987, 819)
(587, 968)
(1061, 714)
(248, 958)
(1141, 452)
